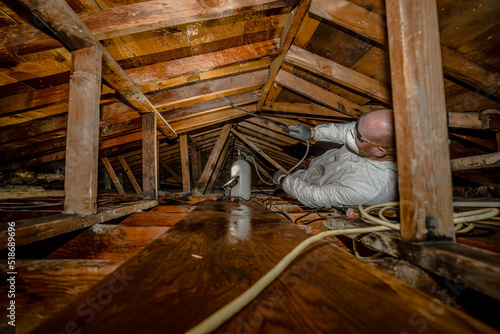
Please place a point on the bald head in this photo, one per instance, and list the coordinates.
(378, 126)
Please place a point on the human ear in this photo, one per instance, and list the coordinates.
(379, 152)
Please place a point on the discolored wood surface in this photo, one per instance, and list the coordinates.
(219, 250)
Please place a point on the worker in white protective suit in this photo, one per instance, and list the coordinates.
(363, 171)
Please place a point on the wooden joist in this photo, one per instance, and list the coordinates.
(135, 18)
(36, 229)
(318, 94)
(76, 35)
(425, 187)
(204, 263)
(476, 162)
(476, 268)
(338, 73)
(373, 26)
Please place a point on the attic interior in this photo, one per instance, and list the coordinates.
(120, 122)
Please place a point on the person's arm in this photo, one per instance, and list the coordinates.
(327, 195)
(333, 132)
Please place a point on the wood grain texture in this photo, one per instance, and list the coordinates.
(425, 187)
(108, 242)
(46, 286)
(130, 175)
(112, 176)
(82, 138)
(186, 182)
(150, 164)
(219, 250)
(31, 230)
(153, 218)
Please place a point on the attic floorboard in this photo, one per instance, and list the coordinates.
(219, 250)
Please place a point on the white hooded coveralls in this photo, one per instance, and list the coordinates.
(341, 177)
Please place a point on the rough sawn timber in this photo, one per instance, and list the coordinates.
(219, 250)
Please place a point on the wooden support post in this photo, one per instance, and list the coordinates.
(112, 175)
(186, 183)
(150, 169)
(258, 150)
(421, 121)
(212, 161)
(130, 175)
(82, 139)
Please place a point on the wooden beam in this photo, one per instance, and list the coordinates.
(171, 171)
(371, 25)
(258, 150)
(41, 228)
(212, 161)
(473, 267)
(82, 138)
(130, 175)
(343, 75)
(290, 30)
(150, 160)
(112, 176)
(303, 109)
(261, 169)
(134, 18)
(76, 35)
(318, 94)
(186, 182)
(425, 188)
(220, 164)
(491, 160)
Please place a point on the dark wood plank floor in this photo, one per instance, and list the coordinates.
(219, 250)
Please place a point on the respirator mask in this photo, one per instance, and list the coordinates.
(351, 142)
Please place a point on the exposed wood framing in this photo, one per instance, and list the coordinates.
(186, 182)
(130, 175)
(212, 161)
(309, 109)
(476, 162)
(425, 188)
(258, 150)
(372, 26)
(474, 267)
(112, 176)
(219, 166)
(76, 35)
(318, 94)
(82, 139)
(135, 18)
(150, 171)
(289, 32)
(338, 73)
(36, 229)
(171, 171)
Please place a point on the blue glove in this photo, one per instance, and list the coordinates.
(300, 131)
(279, 177)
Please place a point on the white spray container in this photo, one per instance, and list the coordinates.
(242, 169)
